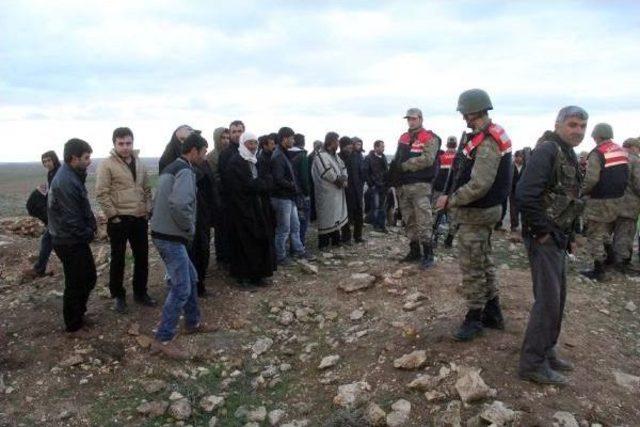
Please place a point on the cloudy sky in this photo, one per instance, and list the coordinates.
(82, 68)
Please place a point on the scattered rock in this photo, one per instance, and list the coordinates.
(564, 419)
(400, 414)
(286, 318)
(356, 314)
(211, 403)
(262, 345)
(374, 415)
(180, 409)
(303, 314)
(308, 267)
(411, 305)
(450, 416)
(630, 382)
(351, 395)
(144, 341)
(175, 396)
(296, 423)
(424, 382)
(413, 360)
(213, 422)
(471, 387)
(257, 415)
(153, 386)
(275, 417)
(134, 329)
(329, 361)
(630, 306)
(73, 360)
(498, 414)
(357, 281)
(435, 396)
(154, 408)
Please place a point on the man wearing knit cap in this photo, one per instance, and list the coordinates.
(628, 210)
(604, 184)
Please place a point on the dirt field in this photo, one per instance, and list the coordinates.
(270, 344)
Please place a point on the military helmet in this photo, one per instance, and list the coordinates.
(473, 101)
(602, 130)
(452, 142)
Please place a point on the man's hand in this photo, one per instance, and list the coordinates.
(441, 203)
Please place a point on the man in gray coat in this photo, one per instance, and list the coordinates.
(172, 230)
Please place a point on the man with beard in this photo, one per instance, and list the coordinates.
(329, 179)
(548, 196)
(72, 226)
(236, 128)
(479, 185)
(416, 160)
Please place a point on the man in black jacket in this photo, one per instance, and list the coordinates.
(283, 200)
(375, 173)
(72, 226)
(173, 149)
(548, 196)
(518, 170)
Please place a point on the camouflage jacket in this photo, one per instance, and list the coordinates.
(630, 205)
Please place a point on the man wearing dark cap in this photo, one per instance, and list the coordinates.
(416, 161)
(604, 183)
(548, 196)
(628, 210)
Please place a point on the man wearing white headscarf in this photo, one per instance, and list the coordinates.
(250, 225)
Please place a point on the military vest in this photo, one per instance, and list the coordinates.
(445, 159)
(411, 144)
(499, 190)
(561, 197)
(614, 171)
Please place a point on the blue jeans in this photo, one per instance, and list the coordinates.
(287, 226)
(46, 246)
(182, 281)
(305, 218)
(378, 206)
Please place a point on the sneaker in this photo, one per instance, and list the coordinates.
(305, 255)
(169, 349)
(146, 301)
(30, 274)
(201, 328)
(120, 305)
(544, 375)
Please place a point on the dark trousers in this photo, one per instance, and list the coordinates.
(356, 221)
(222, 237)
(133, 230)
(549, 275)
(45, 251)
(514, 212)
(200, 252)
(79, 280)
(329, 238)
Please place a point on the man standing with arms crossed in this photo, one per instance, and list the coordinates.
(480, 184)
(124, 195)
(548, 196)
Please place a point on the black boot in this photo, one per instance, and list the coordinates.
(492, 314)
(428, 260)
(611, 255)
(471, 327)
(448, 242)
(414, 253)
(597, 273)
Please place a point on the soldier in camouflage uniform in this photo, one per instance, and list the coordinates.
(416, 160)
(480, 183)
(625, 227)
(548, 195)
(604, 183)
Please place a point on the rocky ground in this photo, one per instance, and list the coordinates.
(352, 339)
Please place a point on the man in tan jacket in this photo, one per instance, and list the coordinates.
(124, 195)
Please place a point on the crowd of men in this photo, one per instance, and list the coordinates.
(261, 193)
